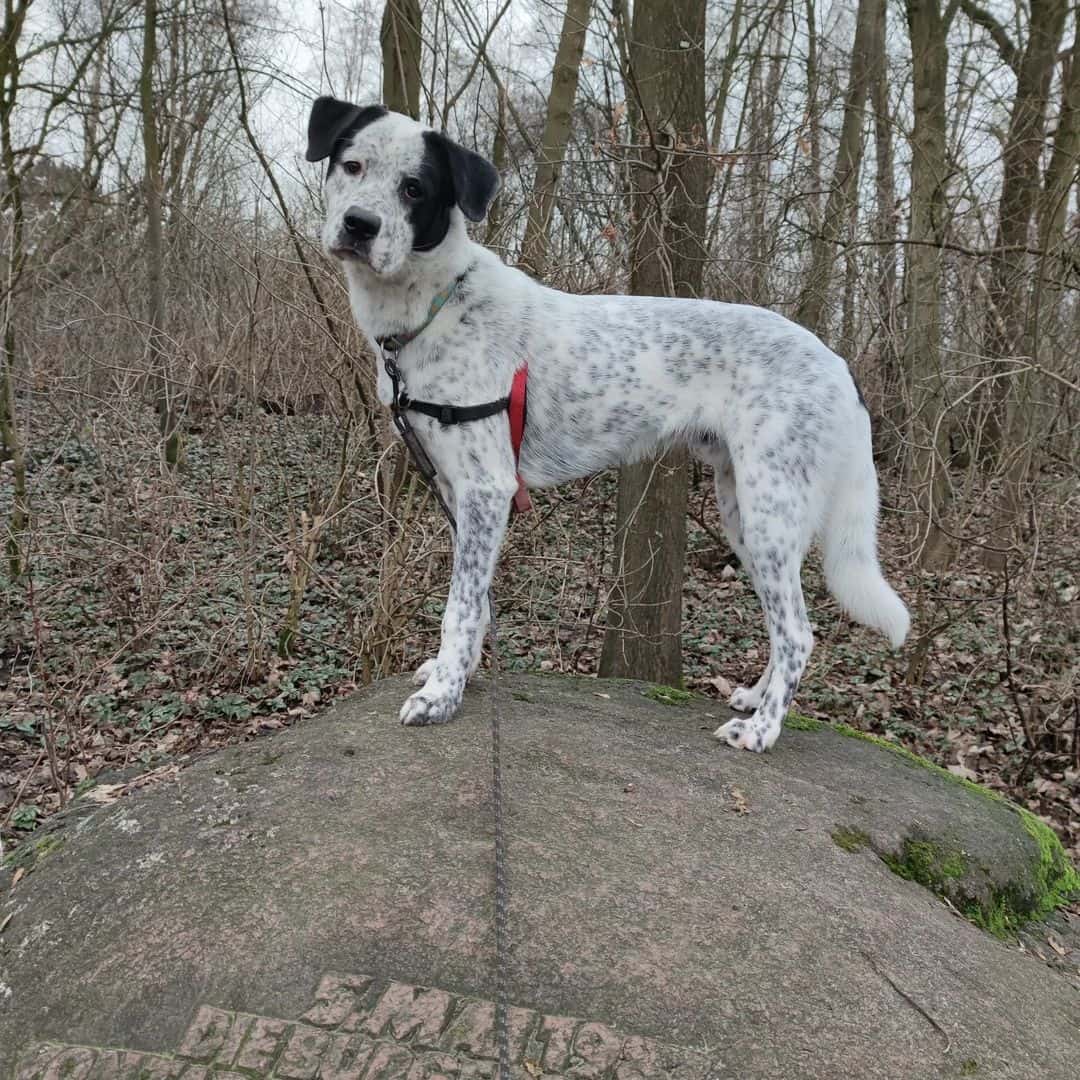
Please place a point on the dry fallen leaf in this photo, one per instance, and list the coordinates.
(721, 685)
(104, 793)
(606, 697)
(1055, 944)
(5, 920)
(19, 875)
(738, 802)
(532, 1068)
(963, 772)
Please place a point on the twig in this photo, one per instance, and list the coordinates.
(909, 999)
(1025, 720)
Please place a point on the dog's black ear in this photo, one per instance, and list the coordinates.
(475, 179)
(331, 120)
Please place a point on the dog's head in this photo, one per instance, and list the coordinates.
(392, 185)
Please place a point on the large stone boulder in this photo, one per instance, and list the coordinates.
(316, 905)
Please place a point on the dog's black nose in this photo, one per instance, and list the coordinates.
(362, 225)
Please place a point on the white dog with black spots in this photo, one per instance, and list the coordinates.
(612, 379)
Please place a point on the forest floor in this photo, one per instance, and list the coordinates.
(148, 629)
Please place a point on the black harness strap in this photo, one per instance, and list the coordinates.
(391, 344)
(453, 414)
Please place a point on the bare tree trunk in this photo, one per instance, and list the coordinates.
(726, 73)
(667, 76)
(498, 159)
(13, 449)
(164, 402)
(1009, 327)
(847, 344)
(927, 231)
(810, 310)
(551, 152)
(764, 92)
(401, 47)
(885, 232)
(13, 223)
(1061, 172)
(813, 119)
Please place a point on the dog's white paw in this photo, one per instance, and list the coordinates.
(749, 733)
(745, 698)
(423, 672)
(428, 707)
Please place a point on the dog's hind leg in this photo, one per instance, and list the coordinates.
(775, 546)
(744, 698)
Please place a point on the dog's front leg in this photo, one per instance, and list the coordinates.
(481, 522)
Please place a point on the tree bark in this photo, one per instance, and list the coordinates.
(727, 70)
(1009, 329)
(813, 118)
(165, 403)
(12, 264)
(927, 231)
(401, 48)
(551, 153)
(810, 310)
(885, 232)
(498, 159)
(667, 78)
(1061, 172)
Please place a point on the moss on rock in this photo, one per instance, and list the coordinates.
(668, 695)
(802, 723)
(928, 863)
(850, 839)
(1057, 881)
(28, 854)
(945, 869)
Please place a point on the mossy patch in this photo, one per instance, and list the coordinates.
(929, 864)
(947, 871)
(27, 855)
(802, 723)
(1057, 881)
(668, 695)
(48, 846)
(1001, 911)
(850, 839)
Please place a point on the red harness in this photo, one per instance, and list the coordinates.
(516, 410)
(514, 404)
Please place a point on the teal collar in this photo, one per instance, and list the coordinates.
(396, 342)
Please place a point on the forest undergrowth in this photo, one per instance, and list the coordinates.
(149, 628)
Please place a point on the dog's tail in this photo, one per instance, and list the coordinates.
(849, 539)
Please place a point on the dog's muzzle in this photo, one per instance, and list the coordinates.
(358, 228)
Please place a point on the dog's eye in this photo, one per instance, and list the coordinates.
(413, 189)
(353, 168)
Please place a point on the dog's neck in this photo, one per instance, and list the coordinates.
(384, 306)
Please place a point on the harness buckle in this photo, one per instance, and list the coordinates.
(389, 356)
